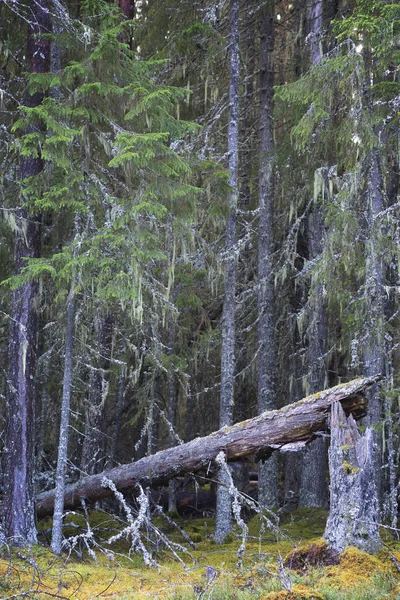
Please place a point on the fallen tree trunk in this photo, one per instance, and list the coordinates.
(294, 424)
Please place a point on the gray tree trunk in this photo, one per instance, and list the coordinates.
(374, 352)
(223, 515)
(247, 143)
(354, 511)
(314, 469)
(268, 471)
(56, 538)
(118, 418)
(171, 415)
(18, 501)
(315, 22)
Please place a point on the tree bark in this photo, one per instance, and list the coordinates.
(268, 471)
(56, 538)
(261, 435)
(313, 486)
(18, 512)
(354, 509)
(223, 516)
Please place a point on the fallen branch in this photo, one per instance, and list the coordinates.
(294, 424)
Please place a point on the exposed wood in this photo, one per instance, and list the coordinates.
(294, 423)
(354, 512)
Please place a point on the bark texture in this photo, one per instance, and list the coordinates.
(56, 538)
(261, 435)
(18, 512)
(353, 515)
(223, 515)
(314, 487)
(268, 471)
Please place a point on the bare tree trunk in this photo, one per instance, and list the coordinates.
(354, 512)
(56, 539)
(19, 522)
(268, 472)
(261, 435)
(223, 516)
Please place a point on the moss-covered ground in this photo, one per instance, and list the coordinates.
(291, 565)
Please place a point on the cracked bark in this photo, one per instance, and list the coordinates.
(354, 510)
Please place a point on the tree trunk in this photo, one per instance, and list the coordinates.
(118, 417)
(171, 414)
(261, 435)
(56, 539)
(223, 517)
(374, 353)
(353, 515)
(268, 471)
(313, 486)
(22, 355)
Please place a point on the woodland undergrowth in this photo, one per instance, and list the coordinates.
(183, 561)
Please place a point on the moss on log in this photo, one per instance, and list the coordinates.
(293, 424)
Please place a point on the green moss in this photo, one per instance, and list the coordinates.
(128, 578)
(349, 469)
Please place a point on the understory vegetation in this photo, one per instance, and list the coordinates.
(291, 564)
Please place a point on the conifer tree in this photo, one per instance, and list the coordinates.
(268, 472)
(18, 506)
(223, 515)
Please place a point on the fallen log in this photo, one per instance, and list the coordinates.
(294, 424)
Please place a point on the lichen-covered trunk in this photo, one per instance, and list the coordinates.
(118, 418)
(313, 484)
(93, 445)
(172, 401)
(354, 511)
(223, 516)
(268, 472)
(374, 346)
(18, 505)
(56, 538)
(247, 141)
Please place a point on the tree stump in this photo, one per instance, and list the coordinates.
(354, 512)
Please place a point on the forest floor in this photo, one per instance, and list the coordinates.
(291, 564)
